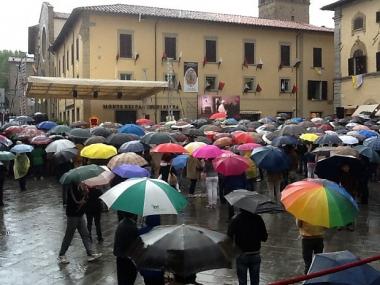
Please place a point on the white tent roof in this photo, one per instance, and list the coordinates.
(62, 88)
(365, 108)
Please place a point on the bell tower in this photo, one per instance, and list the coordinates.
(287, 10)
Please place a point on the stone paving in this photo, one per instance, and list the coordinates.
(32, 225)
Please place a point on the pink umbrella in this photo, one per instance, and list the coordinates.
(248, 146)
(360, 127)
(230, 164)
(207, 151)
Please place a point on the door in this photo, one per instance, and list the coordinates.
(125, 117)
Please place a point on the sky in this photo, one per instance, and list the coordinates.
(17, 15)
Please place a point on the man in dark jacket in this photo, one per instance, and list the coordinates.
(248, 231)
(126, 234)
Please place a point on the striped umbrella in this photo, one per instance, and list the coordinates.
(126, 158)
(145, 197)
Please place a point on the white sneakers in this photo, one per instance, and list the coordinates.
(63, 259)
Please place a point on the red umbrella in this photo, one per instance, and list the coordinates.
(13, 130)
(144, 121)
(222, 142)
(326, 127)
(230, 164)
(169, 148)
(222, 135)
(248, 146)
(217, 116)
(40, 140)
(242, 138)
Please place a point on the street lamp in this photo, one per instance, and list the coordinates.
(169, 78)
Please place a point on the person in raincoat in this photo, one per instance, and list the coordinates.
(251, 172)
(193, 169)
(21, 168)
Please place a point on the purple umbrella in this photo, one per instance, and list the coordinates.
(130, 171)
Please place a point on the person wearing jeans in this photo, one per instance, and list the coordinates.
(274, 185)
(248, 262)
(211, 177)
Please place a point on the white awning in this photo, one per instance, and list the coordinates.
(250, 112)
(365, 109)
(92, 89)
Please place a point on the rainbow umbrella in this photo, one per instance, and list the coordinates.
(320, 202)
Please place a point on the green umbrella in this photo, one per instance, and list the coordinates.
(59, 130)
(6, 155)
(81, 173)
(145, 197)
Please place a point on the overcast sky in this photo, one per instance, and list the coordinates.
(17, 15)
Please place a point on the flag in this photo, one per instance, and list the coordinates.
(164, 57)
(246, 88)
(208, 85)
(221, 85)
(294, 89)
(179, 87)
(245, 63)
(258, 88)
(204, 61)
(260, 64)
(357, 81)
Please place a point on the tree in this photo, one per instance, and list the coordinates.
(4, 66)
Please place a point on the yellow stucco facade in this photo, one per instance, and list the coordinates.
(98, 50)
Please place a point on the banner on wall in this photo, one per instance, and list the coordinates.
(210, 104)
(190, 80)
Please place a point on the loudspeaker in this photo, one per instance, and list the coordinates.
(340, 112)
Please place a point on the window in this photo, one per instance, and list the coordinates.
(77, 49)
(72, 54)
(78, 115)
(125, 76)
(378, 61)
(378, 17)
(317, 57)
(171, 47)
(249, 52)
(125, 48)
(284, 85)
(358, 23)
(73, 115)
(59, 67)
(67, 60)
(317, 90)
(285, 55)
(63, 64)
(249, 84)
(210, 83)
(358, 63)
(211, 50)
(173, 82)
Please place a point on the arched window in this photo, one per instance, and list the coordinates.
(358, 22)
(357, 64)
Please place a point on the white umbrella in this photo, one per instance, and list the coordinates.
(59, 145)
(349, 140)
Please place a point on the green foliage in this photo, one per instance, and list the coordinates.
(4, 66)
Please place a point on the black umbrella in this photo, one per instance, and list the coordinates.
(330, 168)
(328, 139)
(10, 124)
(193, 132)
(80, 124)
(101, 131)
(183, 250)
(285, 140)
(212, 128)
(292, 130)
(118, 139)
(253, 202)
(79, 135)
(203, 139)
(157, 138)
(95, 139)
(65, 155)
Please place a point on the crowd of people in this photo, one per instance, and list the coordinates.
(247, 230)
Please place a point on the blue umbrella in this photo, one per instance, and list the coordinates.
(328, 140)
(132, 146)
(368, 152)
(359, 275)
(132, 129)
(270, 158)
(285, 140)
(368, 133)
(21, 148)
(373, 143)
(130, 171)
(46, 125)
(180, 161)
(296, 120)
(231, 121)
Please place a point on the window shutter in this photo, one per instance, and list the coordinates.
(378, 17)
(351, 66)
(170, 47)
(249, 53)
(125, 46)
(310, 90)
(361, 64)
(211, 50)
(324, 90)
(378, 61)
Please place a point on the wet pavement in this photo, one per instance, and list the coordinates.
(32, 225)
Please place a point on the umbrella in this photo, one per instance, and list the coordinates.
(157, 138)
(360, 127)
(81, 173)
(98, 151)
(132, 129)
(29, 132)
(212, 128)
(110, 125)
(145, 197)
(130, 171)
(59, 145)
(248, 146)
(345, 150)
(144, 121)
(180, 161)
(40, 140)
(193, 146)
(267, 120)
(184, 249)
(100, 131)
(207, 152)
(46, 125)
(223, 142)
(222, 135)
(193, 132)
(271, 159)
(126, 158)
(320, 202)
(5, 141)
(317, 120)
(21, 148)
(117, 140)
(368, 152)
(359, 275)
(80, 124)
(230, 121)
(242, 138)
(169, 148)
(6, 156)
(103, 180)
(230, 164)
(60, 129)
(309, 137)
(330, 168)
(349, 140)
(94, 139)
(10, 124)
(285, 140)
(179, 137)
(132, 146)
(79, 134)
(65, 155)
(368, 134)
(373, 143)
(203, 139)
(328, 140)
(325, 127)
(291, 130)
(218, 116)
(253, 202)
(24, 119)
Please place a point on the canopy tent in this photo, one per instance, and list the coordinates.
(365, 109)
(91, 89)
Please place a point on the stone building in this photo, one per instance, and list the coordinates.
(286, 10)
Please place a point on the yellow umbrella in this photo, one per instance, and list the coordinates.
(98, 151)
(193, 146)
(310, 137)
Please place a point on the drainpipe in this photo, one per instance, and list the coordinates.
(73, 65)
(297, 54)
(155, 68)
